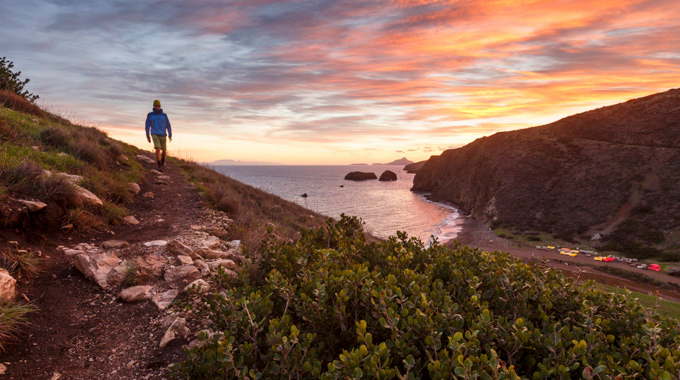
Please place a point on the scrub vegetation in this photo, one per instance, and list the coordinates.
(333, 305)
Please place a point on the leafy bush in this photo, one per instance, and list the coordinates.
(9, 81)
(334, 306)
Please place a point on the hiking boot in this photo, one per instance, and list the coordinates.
(160, 166)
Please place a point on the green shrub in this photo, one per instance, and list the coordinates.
(334, 306)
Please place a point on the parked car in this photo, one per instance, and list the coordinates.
(655, 267)
(608, 259)
(641, 266)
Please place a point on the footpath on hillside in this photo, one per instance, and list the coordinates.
(86, 328)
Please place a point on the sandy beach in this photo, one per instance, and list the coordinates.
(475, 234)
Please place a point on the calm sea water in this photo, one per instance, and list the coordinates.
(385, 207)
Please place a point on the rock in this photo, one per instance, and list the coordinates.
(148, 195)
(160, 181)
(7, 286)
(156, 172)
(156, 243)
(177, 248)
(597, 236)
(115, 244)
(136, 293)
(73, 178)
(96, 267)
(204, 286)
(211, 254)
(151, 263)
(234, 244)
(185, 260)
(360, 176)
(62, 154)
(178, 328)
(33, 206)
(388, 175)
(236, 257)
(183, 273)
(211, 242)
(143, 158)
(131, 220)
(202, 266)
(134, 188)
(88, 198)
(217, 231)
(226, 263)
(123, 157)
(163, 300)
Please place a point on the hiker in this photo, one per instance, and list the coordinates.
(158, 122)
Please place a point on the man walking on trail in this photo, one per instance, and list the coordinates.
(158, 122)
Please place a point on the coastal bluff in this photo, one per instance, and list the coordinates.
(584, 174)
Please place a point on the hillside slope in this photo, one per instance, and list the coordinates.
(580, 175)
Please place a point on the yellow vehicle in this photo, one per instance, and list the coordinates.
(568, 252)
(551, 247)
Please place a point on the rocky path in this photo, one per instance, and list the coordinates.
(84, 329)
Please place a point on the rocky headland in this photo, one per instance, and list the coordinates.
(581, 176)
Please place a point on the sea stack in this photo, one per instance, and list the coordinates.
(360, 176)
(388, 175)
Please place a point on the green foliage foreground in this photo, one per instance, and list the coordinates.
(334, 306)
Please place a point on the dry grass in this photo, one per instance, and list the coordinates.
(20, 264)
(19, 103)
(250, 208)
(55, 136)
(13, 320)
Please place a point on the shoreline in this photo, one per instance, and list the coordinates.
(474, 233)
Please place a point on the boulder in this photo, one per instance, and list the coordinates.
(178, 248)
(87, 197)
(163, 300)
(115, 244)
(156, 172)
(7, 286)
(148, 195)
(388, 175)
(226, 263)
(156, 243)
(597, 236)
(151, 263)
(136, 293)
(143, 158)
(202, 266)
(96, 267)
(73, 178)
(234, 244)
(178, 328)
(33, 206)
(211, 242)
(131, 220)
(211, 254)
(204, 286)
(185, 260)
(184, 273)
(360, 176)
(134, 188)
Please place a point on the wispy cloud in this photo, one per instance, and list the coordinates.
(385, 75)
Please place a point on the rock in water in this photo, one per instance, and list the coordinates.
(360, 176)
(388, 175)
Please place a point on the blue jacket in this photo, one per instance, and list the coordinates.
(158, 122)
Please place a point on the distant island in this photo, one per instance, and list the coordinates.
(401, 161)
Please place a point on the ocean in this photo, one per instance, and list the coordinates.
(385, 207)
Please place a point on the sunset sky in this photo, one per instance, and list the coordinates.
(333, 81)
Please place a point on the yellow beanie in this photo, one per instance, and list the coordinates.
(156, 103)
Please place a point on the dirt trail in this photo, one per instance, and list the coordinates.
(83, 332)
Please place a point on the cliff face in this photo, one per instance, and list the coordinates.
(584, 173)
